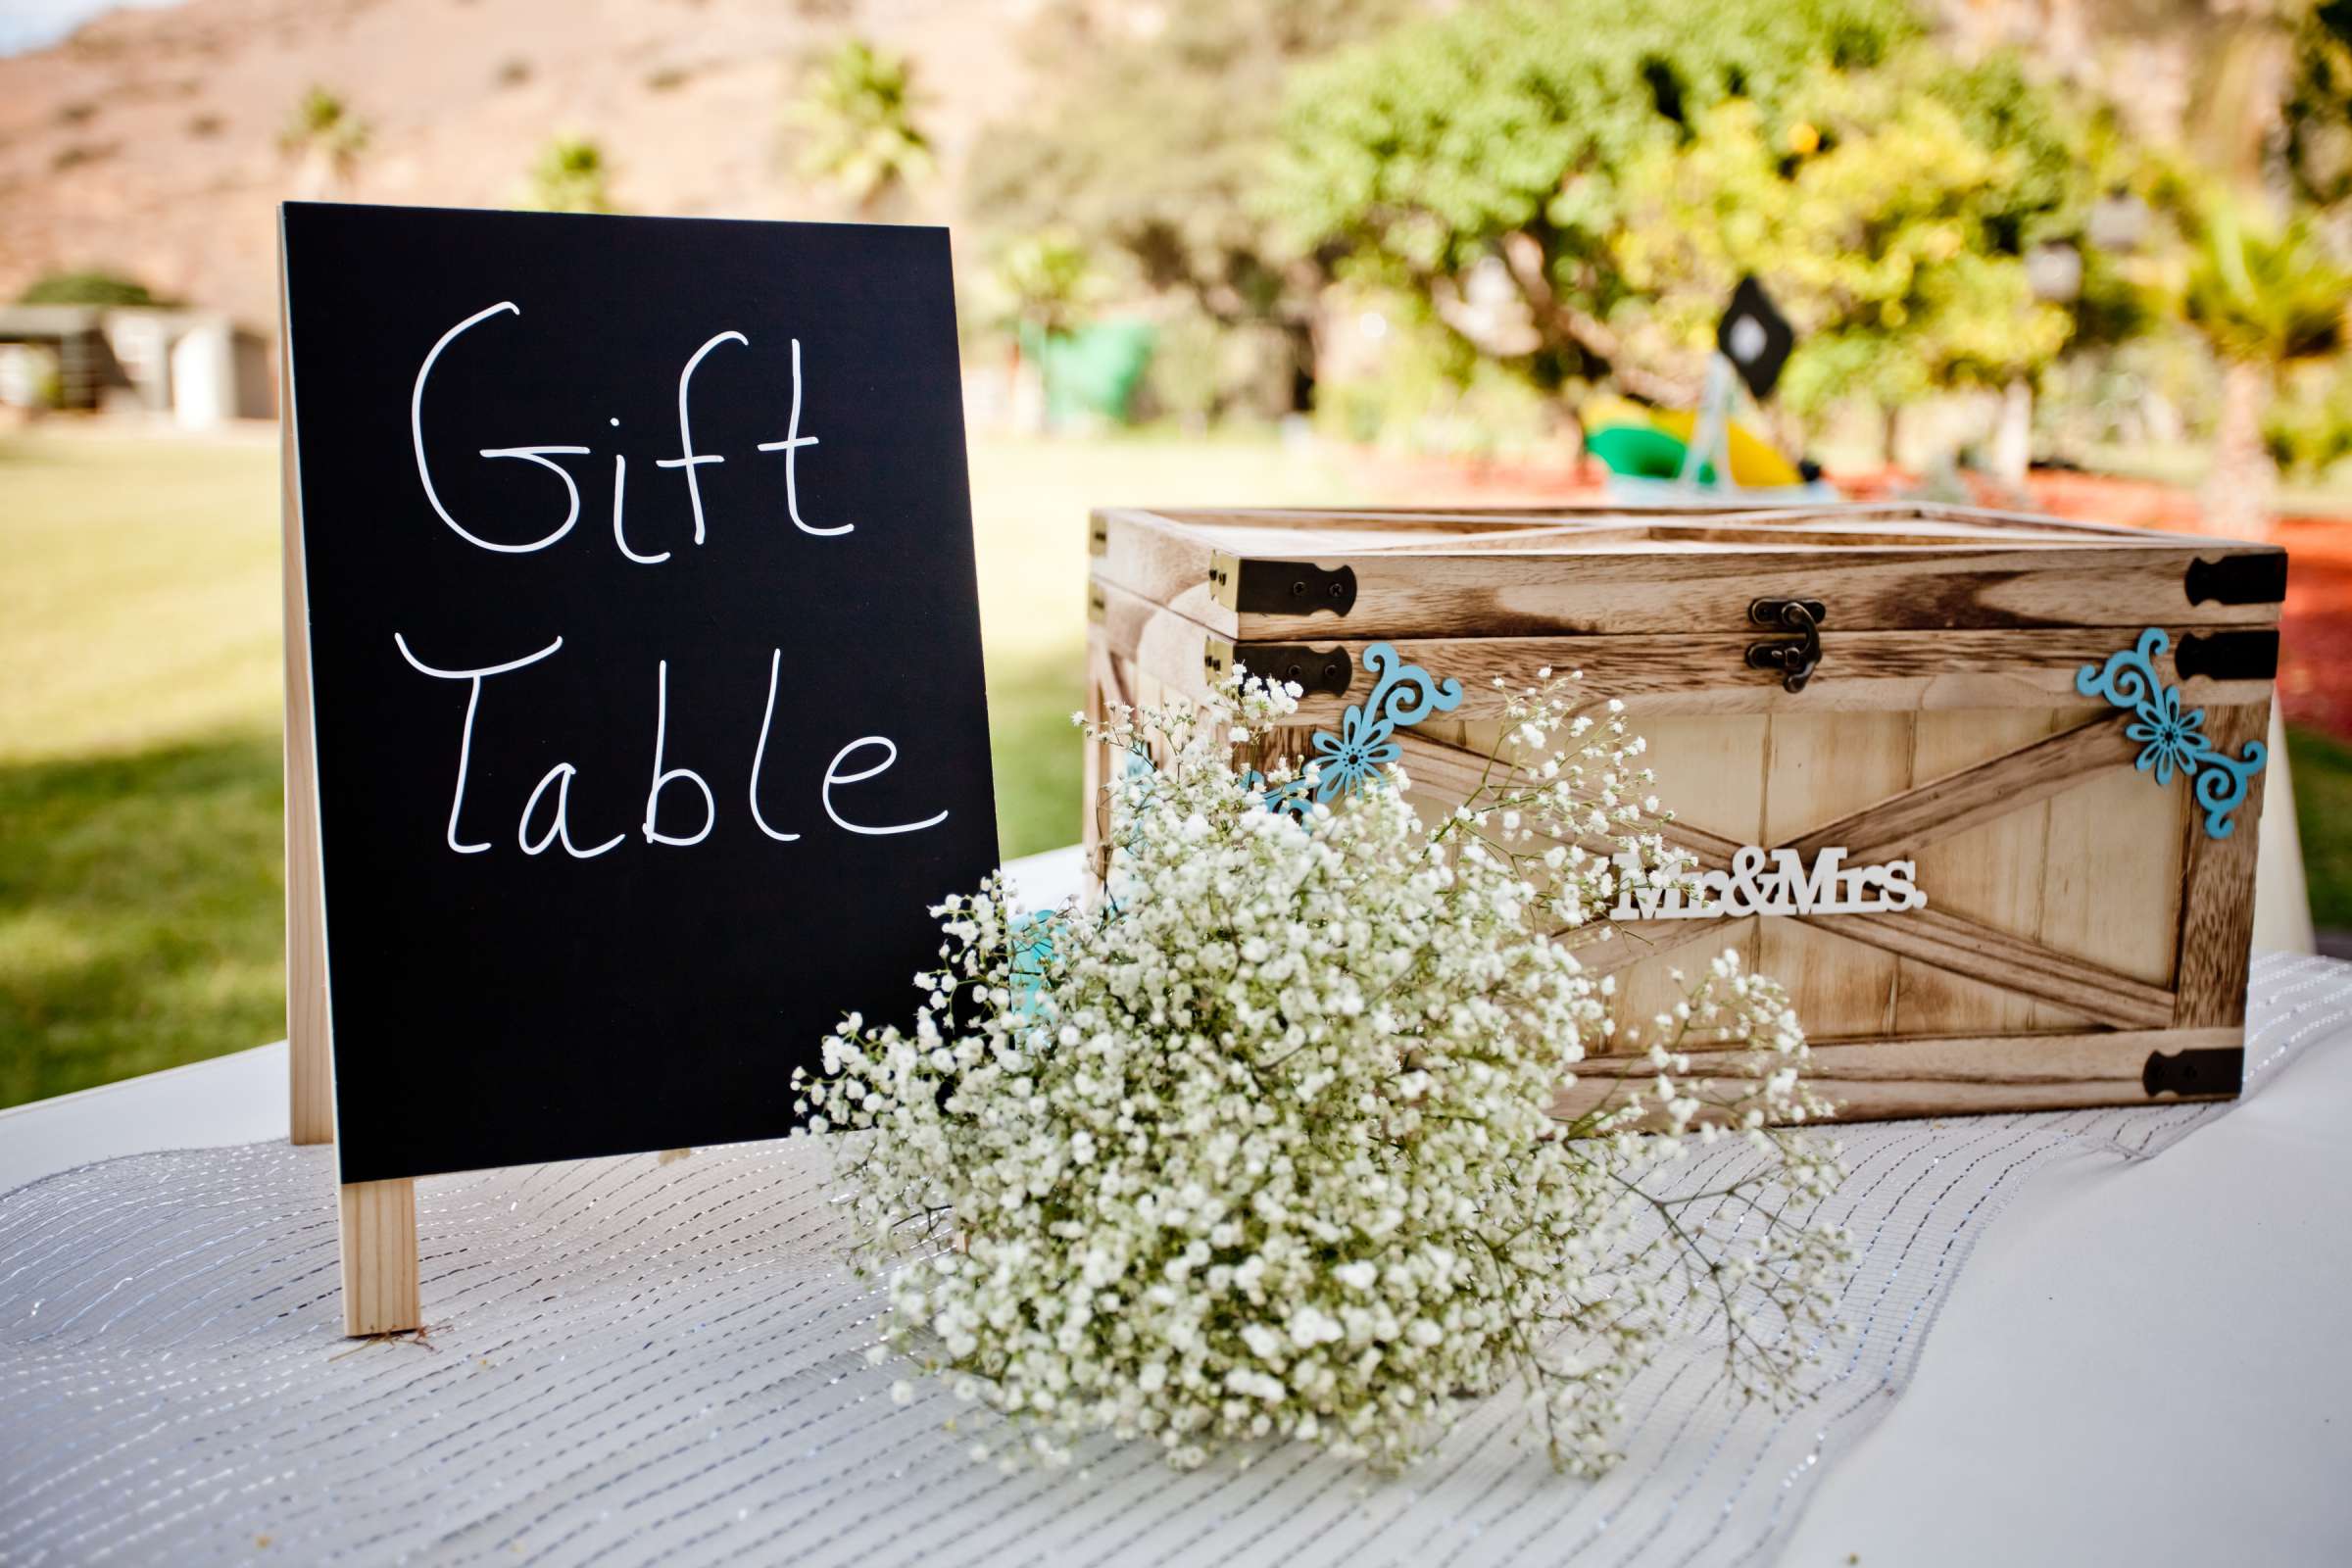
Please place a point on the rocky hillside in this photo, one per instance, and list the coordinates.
(148, 143)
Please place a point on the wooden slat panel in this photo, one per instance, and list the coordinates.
(1166, 560)
(2111, 887)
(1821, 767)
(2014, 964)
(1947, 1077)
(1700, 673)
(1635, 943)
(2216, 904)
(1957, 801)
(1981, 849)
(1712, 770)
(1991, 969)
(1163, 567)
(1445, 774)
(1711, 775)
(1606, 592)
(379, 1256)
(1665, 537)
(1859, 672)
(2096, 580)
(1517, 540)
(1609, 514)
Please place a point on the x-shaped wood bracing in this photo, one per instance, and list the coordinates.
(1898, 828)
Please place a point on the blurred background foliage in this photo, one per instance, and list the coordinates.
(570, 176)
(859, 112)
(2053, 230)
(1442, 229)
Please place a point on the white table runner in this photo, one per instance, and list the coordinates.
(644, 1361)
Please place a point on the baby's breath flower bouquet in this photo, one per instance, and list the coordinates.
(1260, 1145)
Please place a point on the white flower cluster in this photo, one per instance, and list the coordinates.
(1262, 1147)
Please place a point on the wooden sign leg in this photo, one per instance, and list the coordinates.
(379, 1257)
(310, 1072)
(310, 1079)
(378, 1226)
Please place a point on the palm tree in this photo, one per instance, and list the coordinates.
(2266, 296)
(857, 109)
(326, 139)
(570, 176)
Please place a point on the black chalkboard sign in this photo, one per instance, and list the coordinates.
(645, 664)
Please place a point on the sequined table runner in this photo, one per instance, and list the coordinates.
(638, 1362)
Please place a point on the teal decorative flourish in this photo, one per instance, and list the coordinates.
(1402, 695)
(2170, 739)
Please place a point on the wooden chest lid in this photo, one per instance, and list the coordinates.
(1253, 575)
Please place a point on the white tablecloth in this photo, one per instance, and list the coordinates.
(660, 1362)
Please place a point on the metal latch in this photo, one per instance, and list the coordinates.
(1279, 587)
(1796, 660)
(1327, 670)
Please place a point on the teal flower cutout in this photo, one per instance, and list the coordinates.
(2171, 740)
(1361, 749)
(2174, 740)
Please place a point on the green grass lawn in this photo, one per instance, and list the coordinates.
(142, 883)
(2323, 770)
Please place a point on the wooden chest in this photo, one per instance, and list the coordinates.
(2005, 703)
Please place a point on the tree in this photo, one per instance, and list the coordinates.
(1898, 237)
(2267, 297)
(325, 138)
(2317, 117)
(1622, 168)
(1156, 143)
(856, 110)
(572, 176)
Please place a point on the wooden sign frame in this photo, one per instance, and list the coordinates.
(377, 1220)
(555, 999)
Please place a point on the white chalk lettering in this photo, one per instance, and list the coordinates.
(545, 820)
(621, 483)
(536, 454)
(834, 775)
(687, 458)
(767, 715)
(473, 701)
(791, 446)
(664, 777)
(560, 831)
